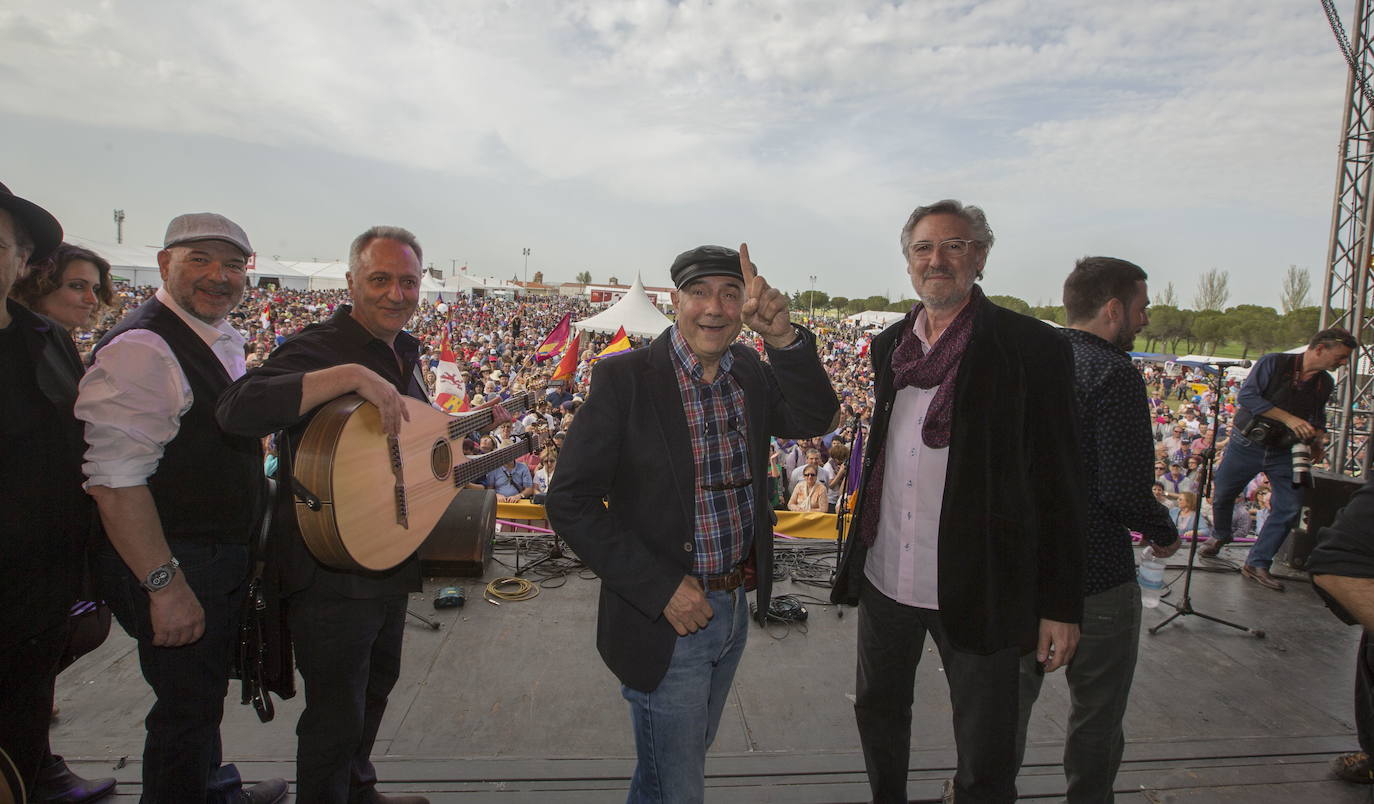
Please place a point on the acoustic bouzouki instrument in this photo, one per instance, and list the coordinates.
(366, 500)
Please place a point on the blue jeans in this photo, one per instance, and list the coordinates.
(1099, 686)
(1243, 460)
(676, 723)
(181, 755)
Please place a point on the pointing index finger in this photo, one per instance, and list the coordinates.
(746, 265)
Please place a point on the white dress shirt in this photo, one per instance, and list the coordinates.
(135, 394)
(904, 560)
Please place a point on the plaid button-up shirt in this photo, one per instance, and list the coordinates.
(719, 433)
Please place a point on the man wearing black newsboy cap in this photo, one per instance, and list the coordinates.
(675, 550)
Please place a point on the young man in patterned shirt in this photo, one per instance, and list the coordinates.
(1105, 300)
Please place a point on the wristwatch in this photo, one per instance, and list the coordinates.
(159, 577)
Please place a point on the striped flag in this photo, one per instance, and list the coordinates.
(448, 389)
(556, 340)
(567, 367)
(620, 343)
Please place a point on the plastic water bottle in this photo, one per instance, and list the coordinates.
(1151, 576)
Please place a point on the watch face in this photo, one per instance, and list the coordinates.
(159, 578)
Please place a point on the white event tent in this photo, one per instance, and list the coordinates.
(874, 318)
(137, 265)
(633, 311)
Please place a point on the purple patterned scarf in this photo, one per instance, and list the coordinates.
(913, 366)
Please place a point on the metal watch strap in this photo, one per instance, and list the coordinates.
(161, 576)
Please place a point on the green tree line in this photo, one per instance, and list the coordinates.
(1209, 328)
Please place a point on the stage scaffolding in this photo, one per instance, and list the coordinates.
(1347, 285)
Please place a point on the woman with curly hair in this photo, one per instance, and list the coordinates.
(71, 287)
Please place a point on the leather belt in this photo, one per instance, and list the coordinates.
(728, 582)
(740, 484)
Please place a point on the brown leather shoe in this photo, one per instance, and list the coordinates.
(1211, 547)
(1262, 577)
(1356, 767)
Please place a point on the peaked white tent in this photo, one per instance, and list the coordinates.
(634, 312)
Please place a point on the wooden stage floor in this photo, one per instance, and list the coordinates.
(512, 704)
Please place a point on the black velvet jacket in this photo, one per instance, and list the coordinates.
(1012, 525)
(629, 446)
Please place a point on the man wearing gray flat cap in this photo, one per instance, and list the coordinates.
(676, 550)
(178, 498)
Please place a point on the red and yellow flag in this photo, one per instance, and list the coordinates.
(567, 367)
(620, 343)
(556, 340)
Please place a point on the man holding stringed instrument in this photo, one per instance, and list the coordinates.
(366, 489)
(676, 548)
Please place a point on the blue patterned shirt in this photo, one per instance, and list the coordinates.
(1118, 449)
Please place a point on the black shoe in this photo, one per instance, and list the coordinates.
(267, 792)
(1357, 767)
(57, 783)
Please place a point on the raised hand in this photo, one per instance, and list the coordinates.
(765, 307)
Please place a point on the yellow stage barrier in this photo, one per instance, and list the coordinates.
(790, 523)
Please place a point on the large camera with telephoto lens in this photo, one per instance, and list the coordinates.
(1270, 433)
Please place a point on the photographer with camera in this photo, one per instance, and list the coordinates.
(1278, 430)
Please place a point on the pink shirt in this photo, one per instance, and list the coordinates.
(904, 560)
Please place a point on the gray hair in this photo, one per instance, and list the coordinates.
(361, 242)
(976, 218)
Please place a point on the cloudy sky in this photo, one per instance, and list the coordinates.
(608, 136)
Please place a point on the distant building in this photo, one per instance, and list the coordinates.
(604, 293)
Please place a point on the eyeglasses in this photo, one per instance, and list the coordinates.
(953, 247)
(808, 474)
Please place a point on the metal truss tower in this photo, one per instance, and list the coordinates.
(1348, 283)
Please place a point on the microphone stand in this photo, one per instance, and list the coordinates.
(1185, 608)
(842, 509)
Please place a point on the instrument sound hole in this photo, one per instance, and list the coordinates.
(441, 459)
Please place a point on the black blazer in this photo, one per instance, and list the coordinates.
(629, 446)
(1012, 522)
(45, 537)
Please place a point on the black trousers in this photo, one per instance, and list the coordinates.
(983, 691)
(28, 670)
(182, 753)
(349, 655)
(1364, 694)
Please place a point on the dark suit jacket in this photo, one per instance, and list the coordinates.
(629, 446)
(46, 527)
(1012, 522)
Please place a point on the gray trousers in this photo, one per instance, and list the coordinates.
(982, 694)
(1100, 678)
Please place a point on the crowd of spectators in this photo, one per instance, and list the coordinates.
(494, 342)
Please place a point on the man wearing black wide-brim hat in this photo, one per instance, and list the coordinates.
(46, 517)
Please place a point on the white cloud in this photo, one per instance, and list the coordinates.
(1225, 106)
